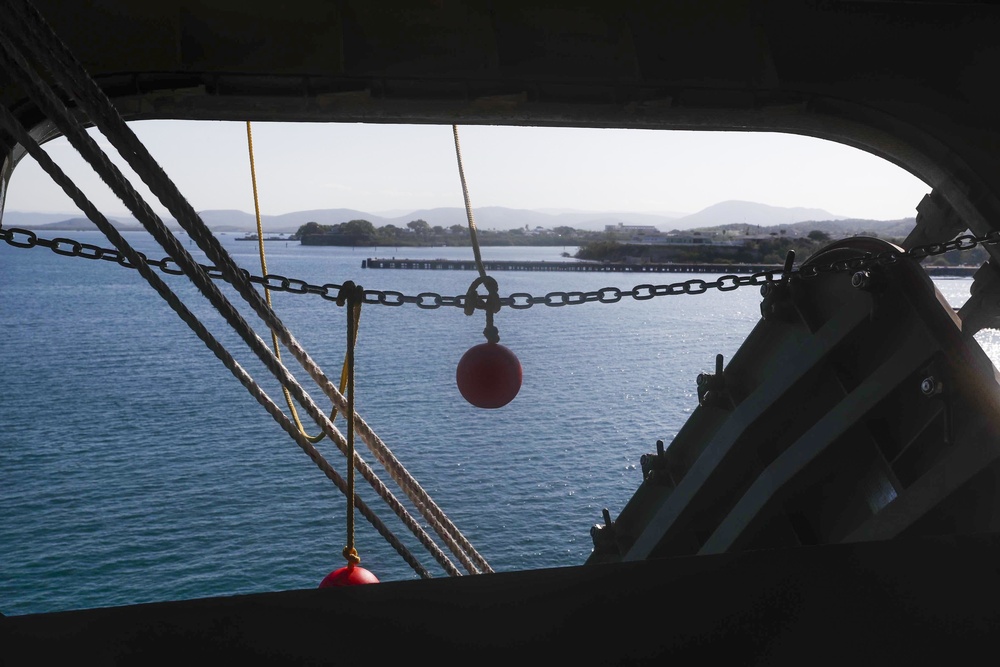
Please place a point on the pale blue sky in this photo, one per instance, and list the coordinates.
(400, 168)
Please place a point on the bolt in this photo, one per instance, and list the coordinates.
(929, 386)
(861, 279)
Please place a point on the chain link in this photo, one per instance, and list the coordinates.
(25, 238)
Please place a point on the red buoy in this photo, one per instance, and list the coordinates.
(489, 375)
(350, 575)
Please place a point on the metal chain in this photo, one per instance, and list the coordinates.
(25, 238)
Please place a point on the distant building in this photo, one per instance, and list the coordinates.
(698, 240)
(622, 228)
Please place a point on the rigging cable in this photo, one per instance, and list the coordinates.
(45, 47)
(134, 259)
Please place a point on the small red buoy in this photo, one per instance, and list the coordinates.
(350, 575)
(489, 375)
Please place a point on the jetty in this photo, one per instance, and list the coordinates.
(589, 266)
(607, 267)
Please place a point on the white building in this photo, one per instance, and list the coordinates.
(622, 228)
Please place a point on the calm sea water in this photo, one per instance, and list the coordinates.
(135, 468)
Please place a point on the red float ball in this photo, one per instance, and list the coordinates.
(489, 375)
(351, 575)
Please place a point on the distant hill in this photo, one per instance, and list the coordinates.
(886, 229)
(751, 213)
(54, 220)
(728, 214)
(487, 217)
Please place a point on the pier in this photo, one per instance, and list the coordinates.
(602, 267)
(595, 267)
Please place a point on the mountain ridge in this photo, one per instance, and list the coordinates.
(730, 212)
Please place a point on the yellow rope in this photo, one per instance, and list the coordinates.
(267, 296)
(353, 295)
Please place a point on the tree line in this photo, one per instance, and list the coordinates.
(421, 233)
(603, 246)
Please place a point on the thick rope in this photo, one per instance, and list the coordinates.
(468, 206)
(47, 47)
(131, 149)
(137, 260)
(491, 304)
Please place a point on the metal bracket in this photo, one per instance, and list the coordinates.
(655, 468)
(604, 536)
(712, 387)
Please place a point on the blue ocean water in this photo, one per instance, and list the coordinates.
(135, 468)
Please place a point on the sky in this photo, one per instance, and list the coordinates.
(397, 169)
